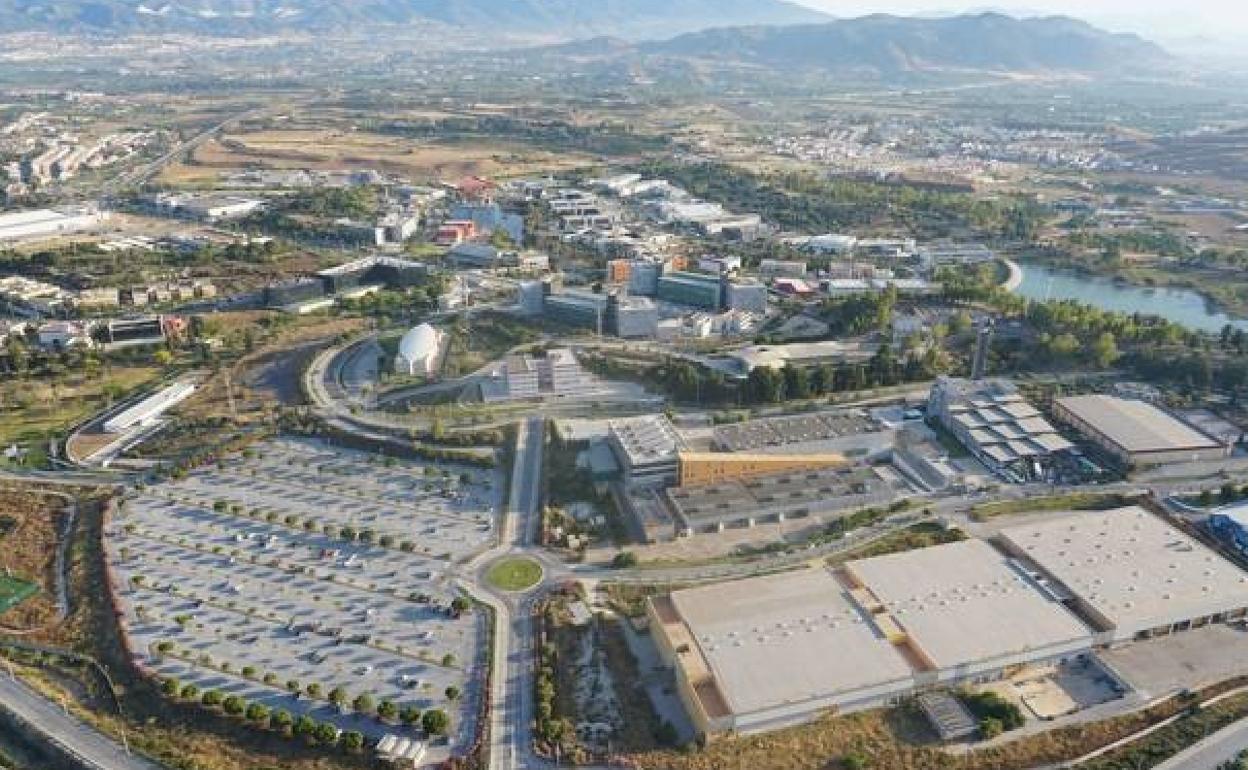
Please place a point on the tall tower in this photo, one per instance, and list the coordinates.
(983, 341)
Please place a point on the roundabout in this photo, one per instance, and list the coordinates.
(514, 574)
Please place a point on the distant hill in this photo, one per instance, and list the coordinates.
(543, 19)
(890, 46)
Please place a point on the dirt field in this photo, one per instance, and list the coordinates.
(30, 526)
(334, 150)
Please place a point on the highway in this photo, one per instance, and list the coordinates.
(89, 747)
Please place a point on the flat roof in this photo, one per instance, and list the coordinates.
(964, 603)
(1135, 426)
(1132, 567)
(773, 640)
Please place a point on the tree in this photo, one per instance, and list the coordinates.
(409, 715)
(435, 722)
(337, 696)
(452, 692)
(387, 709)
(364, 704)
(326, 733)
(1229, 493)
(211, 698)
(282, 721)
(257, 712)
(233, 705)
(171, 686)
(189, 692)
(353, 741)
(314, 690)
(624, 560)
(1105, 350)
(460, 605)
(305, 726)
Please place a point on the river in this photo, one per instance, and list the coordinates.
(1182, 306)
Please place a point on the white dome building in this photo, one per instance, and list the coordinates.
(418, 351)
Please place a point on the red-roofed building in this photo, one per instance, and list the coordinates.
(474, 189)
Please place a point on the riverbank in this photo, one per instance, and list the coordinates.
(1015, 277)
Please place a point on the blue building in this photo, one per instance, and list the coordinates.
(1230, 523)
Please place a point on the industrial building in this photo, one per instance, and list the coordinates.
(1131, 574)
(853, 432)
(149, 409)
(998, 426)
(647, 449)
(1230, 523)
(419, 351)
(826, 490)
(763, 653)
(707, 468)
(39, 223)
(1136, 433)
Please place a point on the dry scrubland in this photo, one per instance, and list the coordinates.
(337, 150)
(30, 526)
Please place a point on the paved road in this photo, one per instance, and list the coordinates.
(1220, 747)
(511, 719)
(90, 747)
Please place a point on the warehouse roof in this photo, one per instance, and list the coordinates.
(964, 603)
(768, 641)
(1135, 426)
(1132, 567)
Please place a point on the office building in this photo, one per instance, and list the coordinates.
(693, 289)
(632, 317)
(746, 295)
(647, 449)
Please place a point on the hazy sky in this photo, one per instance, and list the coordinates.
(1163, 19)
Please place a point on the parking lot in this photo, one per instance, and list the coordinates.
(243, 579)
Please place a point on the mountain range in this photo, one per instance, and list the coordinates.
(890, 45)
(548, 20)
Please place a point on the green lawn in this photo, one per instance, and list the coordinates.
(514, 574)
(13, 592)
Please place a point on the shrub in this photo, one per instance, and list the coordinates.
(435, 722)
(190, 692)
(211, 698)
(233, 705)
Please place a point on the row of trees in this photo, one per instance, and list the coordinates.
(433, 721)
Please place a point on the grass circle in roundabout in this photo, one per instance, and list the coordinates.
(514, 573)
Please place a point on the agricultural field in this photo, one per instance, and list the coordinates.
(315, 581)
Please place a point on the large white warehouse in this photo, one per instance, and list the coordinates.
(418, 351)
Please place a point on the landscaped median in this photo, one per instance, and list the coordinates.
(1075, 501)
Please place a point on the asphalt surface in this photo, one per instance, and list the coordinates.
(88, 746)
(1211, 752)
